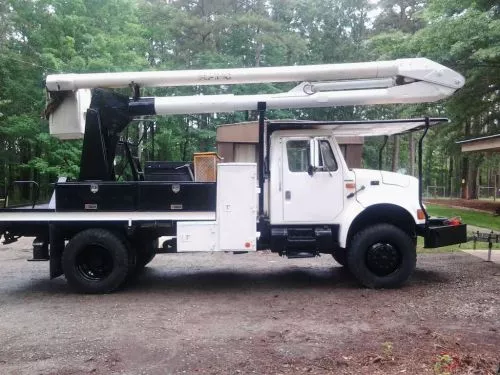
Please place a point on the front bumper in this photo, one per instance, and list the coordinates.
(438, 234)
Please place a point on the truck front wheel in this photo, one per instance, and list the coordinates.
(340, 257)
(96, 261)
(382, 256)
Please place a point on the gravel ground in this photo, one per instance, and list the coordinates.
(252, 313)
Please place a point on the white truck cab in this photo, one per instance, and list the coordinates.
(307, 177)
(310, 182)
(299, 200)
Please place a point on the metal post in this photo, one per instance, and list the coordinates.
(153, 123)
(490, 245)
(386, 137)
(495, 189)
(261, 107)
(420, 147)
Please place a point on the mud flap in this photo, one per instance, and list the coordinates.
(56, 248)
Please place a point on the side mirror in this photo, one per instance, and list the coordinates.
(310, 170)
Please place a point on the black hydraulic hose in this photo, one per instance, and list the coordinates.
(420, 147)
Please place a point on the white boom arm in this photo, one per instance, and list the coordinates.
(414, 80)
(416, 92)
(415, 69)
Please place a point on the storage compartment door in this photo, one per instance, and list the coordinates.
(237, 206)
(196, 236)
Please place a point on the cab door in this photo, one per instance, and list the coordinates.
(311, 194)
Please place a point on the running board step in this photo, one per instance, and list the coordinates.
(301, 254)
(302, 241)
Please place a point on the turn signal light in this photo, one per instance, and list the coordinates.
(420, 214)
(350, 185)
(454, 221)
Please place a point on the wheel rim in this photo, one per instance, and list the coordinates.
(383, 258)
(94, 263)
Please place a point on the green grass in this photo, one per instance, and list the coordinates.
(478, 219)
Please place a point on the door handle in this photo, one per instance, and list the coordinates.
(288, 195)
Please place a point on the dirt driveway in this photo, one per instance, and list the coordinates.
(253, 313)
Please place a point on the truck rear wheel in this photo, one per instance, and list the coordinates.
(382, 256)
(96, 261)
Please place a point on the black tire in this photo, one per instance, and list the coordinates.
(340, 256)
(146, 251)
(382, 256)
(96, 261)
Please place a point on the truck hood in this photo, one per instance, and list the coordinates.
(371, 176)
(391, 178)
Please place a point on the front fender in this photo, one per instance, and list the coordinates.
(351, 211)
(379, 209)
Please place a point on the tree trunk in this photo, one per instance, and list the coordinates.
(395, 154)
(465, 166)
(25, 173)
(258, 49)
(412, 155)
(258, 52)
(3, 180)
(185, 144)
(464, 178)
(472, 180)
(449, 184)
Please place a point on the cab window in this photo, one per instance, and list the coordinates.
(326, 157)
(298, 154)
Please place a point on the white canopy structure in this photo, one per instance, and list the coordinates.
(362, 128)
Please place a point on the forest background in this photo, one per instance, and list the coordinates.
(40, 37)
